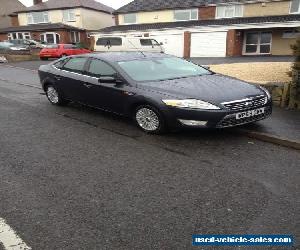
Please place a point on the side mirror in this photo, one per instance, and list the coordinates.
(109, 79)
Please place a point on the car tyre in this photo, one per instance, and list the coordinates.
(44, 58)
(149, 119)
(54, 96)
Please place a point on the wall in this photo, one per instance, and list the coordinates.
(14, 21)
(205, 13)
(281, 46)
(152, 17)
(94, 20)
(270, 8)
(85, 18)
(234, 43)
(3, 37)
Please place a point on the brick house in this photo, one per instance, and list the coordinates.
(214, 28)
(6, 8)
(55, 21)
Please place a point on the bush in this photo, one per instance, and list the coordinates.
(294, 101)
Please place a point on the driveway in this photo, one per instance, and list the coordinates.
(77, 178)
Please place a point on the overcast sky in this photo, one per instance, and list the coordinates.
(112, 3)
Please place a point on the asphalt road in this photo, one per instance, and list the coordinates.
(77, 178)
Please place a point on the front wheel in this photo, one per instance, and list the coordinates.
(54, 96)
(149, 119)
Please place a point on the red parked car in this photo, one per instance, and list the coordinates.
(61, 50)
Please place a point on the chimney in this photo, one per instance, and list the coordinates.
(35, 2)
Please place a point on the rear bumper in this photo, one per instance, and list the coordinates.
(211, 118)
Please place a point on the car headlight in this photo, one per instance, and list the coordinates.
(266, 91)
(190, 103)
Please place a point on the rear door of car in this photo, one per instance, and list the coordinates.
(72, 79)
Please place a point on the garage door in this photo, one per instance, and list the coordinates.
(209, 44)
(173, 44)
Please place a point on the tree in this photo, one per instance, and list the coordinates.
(295, 85)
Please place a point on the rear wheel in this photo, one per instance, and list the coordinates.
(54, 96)
(149, 119)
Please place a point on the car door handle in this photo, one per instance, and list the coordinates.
(88, 85)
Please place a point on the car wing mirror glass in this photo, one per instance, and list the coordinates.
(107, 79)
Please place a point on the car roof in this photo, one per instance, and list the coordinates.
(127, 56)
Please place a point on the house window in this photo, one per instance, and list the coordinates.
(19, 35)
(185, 15)
(290, 34)
(38, 17)
(258, 43)
(50, 37)
(295, 6)
(75, 37)
(229, 11)
(69, 15)
(130, 18)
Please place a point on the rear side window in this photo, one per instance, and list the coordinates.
(70, 46)
(52, 46)
(99, 68)
(109, 41)
(75, 64)
(149, 42)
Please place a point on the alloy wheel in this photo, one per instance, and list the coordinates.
(52, 95)
(147, 119)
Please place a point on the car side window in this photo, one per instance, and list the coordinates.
(75, 64)
(109, 41)
(70, 46)
(60, 63)
(99, 68)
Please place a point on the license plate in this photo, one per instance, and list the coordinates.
(250, 113)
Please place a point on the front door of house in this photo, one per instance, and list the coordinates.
(257, 43)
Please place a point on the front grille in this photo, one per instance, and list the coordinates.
(230, 120)
(246, 104)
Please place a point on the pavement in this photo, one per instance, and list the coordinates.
(77, 178)
(243, 59)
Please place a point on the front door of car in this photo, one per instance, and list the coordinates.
(107, 96)
(72, 79)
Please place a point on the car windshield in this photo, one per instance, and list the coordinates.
(158, 69)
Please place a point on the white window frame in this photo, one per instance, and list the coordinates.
(230, 6)
(73, 35)
(190, 13)
(52, 33)
(130, 14)
(19, 35)
(297, 12)
(30, 19)
(68, 13)
(258, 43)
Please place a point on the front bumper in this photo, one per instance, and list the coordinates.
(212, 118)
